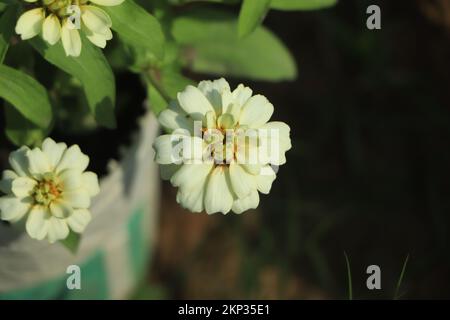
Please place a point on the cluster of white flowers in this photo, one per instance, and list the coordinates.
(49, 187)
(221, 147)
(61, 19)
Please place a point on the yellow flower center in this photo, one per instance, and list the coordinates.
(61, 7)
(47, 190)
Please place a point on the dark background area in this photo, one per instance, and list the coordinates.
(368, 173)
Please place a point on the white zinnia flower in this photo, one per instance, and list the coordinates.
(49, 187)
(228, 147)
(61, 19)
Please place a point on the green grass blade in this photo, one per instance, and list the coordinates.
(400, 279)
(349, 275)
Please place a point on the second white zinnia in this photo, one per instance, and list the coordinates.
(228, 147)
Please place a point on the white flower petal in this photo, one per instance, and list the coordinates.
(61, 209)
(71, 39)
(274, 142)
(192, 200)
(90, 183)
(19, 161)
(176, 149)
(174, 118)
(6, 182)
(23, 187)
(13, 209)
(78, 199)
(191, 176)
(57, 229)
(38, 222)
(39, 163)
(79, 220)
(51, 30)
(30, 23)
(97, 39)
(241, 94)
(218, 197)
(53, 151)
(107, 3)
(243, 183)
(95, 19)
(249, 202)
(194, 102)
(283, 133)
(256, 112)
(254, 169)
(265, 179)
(167, 149)
(213, 91)
(73, 158)
(71, 179)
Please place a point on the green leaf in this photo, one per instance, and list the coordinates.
(137, 27)
(156, 101)
(163, 86)
(219, 51)
(72, 242)
(27, 95)
(251, 16)
(93, 71)
(21, 131)
(7, 24)
(301, 4)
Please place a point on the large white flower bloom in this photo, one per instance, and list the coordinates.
(221, 147)
(49, 187)
(62, 19)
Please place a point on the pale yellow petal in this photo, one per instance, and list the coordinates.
(13, 209)
(38, 222)
(51, 31)
(218, 196)
(95, 19)
(79, 220)
(108, 2)
(90, 183)
(57, 229)
(256, 112)
(73, 158)
(30, 23)
(23, 187)
(71, 39)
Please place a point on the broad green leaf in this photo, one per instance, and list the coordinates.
(251, 16)
(72, 242)
(21, 131)
(137, 27)
(212, 46)
(27, 95)
(7, 23)
(301, 4)
(163, 85)
(93, 71)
